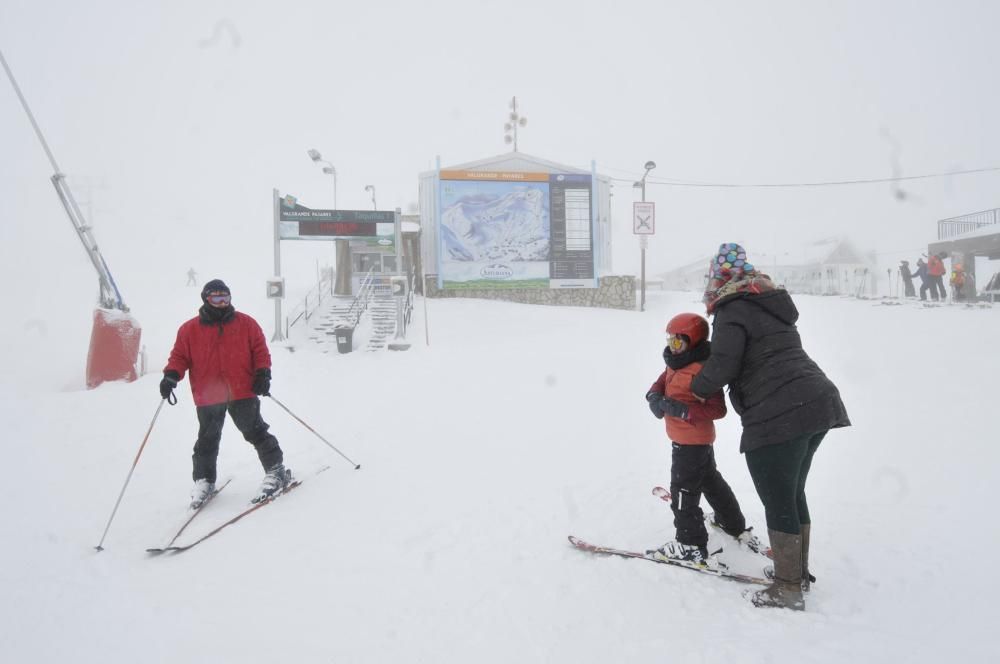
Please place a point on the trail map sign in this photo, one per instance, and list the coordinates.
(515, 230)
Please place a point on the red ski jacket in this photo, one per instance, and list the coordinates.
(699, 429)
(222, 358)
(935, 266)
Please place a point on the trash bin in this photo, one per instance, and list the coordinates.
(345, 338)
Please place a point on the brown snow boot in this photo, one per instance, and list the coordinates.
(806, 576)
(786, 590)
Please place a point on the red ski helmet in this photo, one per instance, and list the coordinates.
(692, 326)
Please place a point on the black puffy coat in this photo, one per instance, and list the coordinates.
(779, 392)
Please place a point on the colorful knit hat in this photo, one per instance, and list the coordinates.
(731, 263)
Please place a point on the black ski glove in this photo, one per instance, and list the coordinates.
(673, 408)
(653, 399)
(262, 383)
(169, 382)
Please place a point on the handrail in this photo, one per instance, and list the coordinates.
(310, 303)
(360, 303)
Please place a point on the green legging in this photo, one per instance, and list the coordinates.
(779, 474)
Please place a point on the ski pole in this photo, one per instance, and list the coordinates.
(99, 546)
(357, 466)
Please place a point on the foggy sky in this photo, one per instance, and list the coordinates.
(176, 119)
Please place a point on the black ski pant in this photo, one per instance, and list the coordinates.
(779, 474)
(693, 473)
(937, 287)
(908, 288)
(925, 285)
(246, 417)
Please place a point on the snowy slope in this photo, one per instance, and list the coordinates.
(518, 426)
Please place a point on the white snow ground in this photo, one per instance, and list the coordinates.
(518, 426)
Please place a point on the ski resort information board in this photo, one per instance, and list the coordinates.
(515, 230)
(297, 222)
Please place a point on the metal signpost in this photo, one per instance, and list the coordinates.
(643, 225)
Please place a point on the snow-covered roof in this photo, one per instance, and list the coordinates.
(516, 162)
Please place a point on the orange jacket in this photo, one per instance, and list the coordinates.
(935, 266)
(698, 429)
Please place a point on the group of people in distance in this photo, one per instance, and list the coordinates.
(786, 406)
(931, 273)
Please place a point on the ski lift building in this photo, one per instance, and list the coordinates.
(832, 266)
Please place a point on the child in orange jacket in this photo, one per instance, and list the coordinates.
(690, 427)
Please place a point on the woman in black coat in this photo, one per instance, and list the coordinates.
(785, 402)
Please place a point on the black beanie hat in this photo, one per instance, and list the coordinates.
(214, 286)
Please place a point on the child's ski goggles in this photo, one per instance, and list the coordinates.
(675, 341)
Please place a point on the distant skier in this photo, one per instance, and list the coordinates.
(226, 354)
(786, 405)
(925, 279)
(904, 272)
(192, 277)
(690, 428)
(957, 282)
(936, 270)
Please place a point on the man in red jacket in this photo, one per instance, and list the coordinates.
(936, 270)
(226, 354)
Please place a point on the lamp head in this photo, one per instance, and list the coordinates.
(369, 187)
(650, 165)
(314, 154)
(329, 170)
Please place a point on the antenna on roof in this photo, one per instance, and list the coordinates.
(514, 121)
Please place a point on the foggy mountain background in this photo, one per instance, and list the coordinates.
(175, 120)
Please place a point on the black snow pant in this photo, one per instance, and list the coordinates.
(693, 473)
(779, 474)
(925, 285)
(937, 287)
(246, 417)
(908, 288)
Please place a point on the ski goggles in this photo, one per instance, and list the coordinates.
(219, 299)
(676, 342)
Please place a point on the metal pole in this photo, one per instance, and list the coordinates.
(31, 117)
(357, 466)
(642, 249)
(278, 336)
(427, 329)
(100, 545)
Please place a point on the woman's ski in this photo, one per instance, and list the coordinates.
(720, 570)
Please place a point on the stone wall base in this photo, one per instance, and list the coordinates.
(617, 292)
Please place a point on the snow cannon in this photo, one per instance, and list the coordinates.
(114, 342)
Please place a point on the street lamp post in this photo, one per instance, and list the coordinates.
(371, 188)
(329, 169)
(343, 249)
(643, 240)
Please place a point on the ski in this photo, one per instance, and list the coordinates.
(253, 508)
(664, 495)
(193, 513)
(722, 571)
